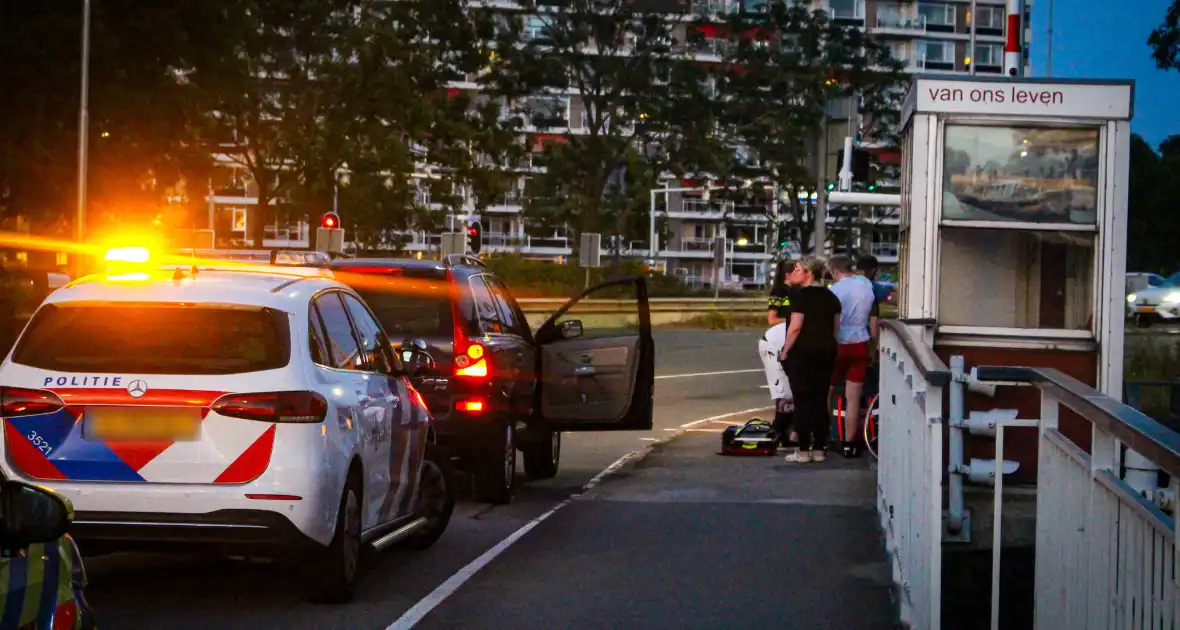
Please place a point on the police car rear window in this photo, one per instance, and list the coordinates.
(155, 339)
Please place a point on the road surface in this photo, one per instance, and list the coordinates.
(699, 374)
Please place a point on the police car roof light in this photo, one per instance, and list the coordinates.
(299, 258)
(137, 255)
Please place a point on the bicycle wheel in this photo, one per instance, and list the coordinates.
(872, 417)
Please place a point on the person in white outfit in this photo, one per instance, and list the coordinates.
(769, 347)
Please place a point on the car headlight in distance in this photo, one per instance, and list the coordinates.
(1172, 298)
(1131, 298)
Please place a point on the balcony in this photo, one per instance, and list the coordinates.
(711, 48)
(901, 23)
(885, 250)
(715, 7)
(846, 10)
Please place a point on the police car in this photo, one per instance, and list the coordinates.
(250, 408)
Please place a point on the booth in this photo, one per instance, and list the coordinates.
(1014, 233)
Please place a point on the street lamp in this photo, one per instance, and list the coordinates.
(83, 127)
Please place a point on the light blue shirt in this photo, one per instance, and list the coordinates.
(856, 303)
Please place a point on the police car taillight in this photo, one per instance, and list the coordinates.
(16, 402)
(293, 407)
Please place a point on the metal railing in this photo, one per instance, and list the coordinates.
(909, 474)
(1105, 554)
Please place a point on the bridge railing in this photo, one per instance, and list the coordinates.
(909, 477)
(1106, 556)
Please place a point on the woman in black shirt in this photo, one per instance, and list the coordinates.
(809, 358)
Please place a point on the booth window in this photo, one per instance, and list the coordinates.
(1020, 174)
(1016, 278)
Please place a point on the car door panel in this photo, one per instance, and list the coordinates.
(598, 382)
(591, 379)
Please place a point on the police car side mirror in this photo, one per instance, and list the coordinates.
(30, 514)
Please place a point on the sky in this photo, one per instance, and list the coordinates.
(1105, 39)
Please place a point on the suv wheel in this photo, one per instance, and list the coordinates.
(495, 473)
(333, 580)
(542, 457)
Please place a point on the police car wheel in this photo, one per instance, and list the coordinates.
(542, 458)
(495, 474)
(436, 501)
(333, 578)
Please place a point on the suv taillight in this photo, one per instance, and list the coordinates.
(292, 407)
(473, 363)
(16, 402)
(471, 360)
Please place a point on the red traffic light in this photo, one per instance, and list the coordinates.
(472, 231)
(330, 220)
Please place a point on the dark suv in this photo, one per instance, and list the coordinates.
(495, 386)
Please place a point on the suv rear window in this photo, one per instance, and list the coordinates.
(406, 316)
(144, 338)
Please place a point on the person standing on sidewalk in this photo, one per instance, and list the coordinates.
(778, 312)
(857, 300)
(809, 357)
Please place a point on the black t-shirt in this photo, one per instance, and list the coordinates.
(780, 301)
(819, 307)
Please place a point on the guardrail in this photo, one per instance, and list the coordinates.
(909, 473)
(1106, 556)
(664, 311)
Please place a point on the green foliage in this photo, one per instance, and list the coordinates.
(141, 117)
(1152, 229)
(643, 107)
(1165, 40)
(777, 83)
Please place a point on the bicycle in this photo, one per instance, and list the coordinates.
(872, 418)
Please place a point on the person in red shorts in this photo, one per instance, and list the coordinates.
(857, 299)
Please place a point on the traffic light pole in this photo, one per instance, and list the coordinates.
(819, 232)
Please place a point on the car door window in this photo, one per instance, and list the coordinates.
(377, 351)
(485, 307)
(514, 321)
(343, 350)
(315, 338)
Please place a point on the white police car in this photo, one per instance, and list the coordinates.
(249, 409)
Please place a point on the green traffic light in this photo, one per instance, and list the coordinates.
(831, 187)
(872, 187)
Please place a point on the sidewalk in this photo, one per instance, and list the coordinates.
(686, 538)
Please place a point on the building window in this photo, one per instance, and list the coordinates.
(991, 18)
(1016, 278)
(937, 52)
(988, 54)
(937, 14)
(1020, 174)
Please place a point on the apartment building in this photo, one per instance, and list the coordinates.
(929, 36)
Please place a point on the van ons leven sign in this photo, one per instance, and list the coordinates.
(1019, 98)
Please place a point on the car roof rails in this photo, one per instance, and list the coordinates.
(459, 259)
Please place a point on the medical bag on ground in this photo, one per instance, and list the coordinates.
(755, 437)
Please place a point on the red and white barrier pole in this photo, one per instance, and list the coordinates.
(1013, 59)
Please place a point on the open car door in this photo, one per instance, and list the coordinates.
(597, 360)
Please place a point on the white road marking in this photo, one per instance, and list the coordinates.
(419, 611)
(708, 373)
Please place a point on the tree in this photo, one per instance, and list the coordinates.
(1165, 40)
(141, 116)
(639, 101)
(784, 70)
(1152, 231)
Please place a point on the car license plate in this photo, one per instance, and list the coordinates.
(141, 424)
(1145, 309)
